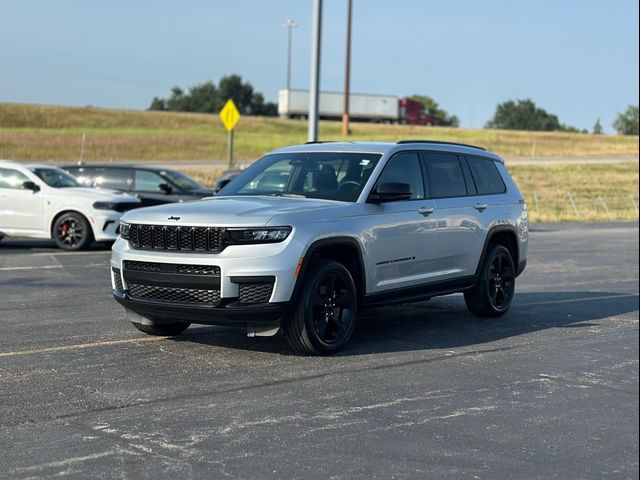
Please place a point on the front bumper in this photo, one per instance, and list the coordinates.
(225, 313)
(104, 224)
(245, 284)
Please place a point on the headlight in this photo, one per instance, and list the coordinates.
(124, 230)
(105, 206)
(244, 236)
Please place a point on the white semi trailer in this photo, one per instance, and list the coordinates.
(363, 107)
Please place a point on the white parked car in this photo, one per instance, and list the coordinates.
(41, 201)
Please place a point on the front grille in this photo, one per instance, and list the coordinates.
(174, 295)
(117, 279)
(180, 269)
(255, 292)
(169, 237)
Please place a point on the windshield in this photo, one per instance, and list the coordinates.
(55, 177)
(327, 175)
(181, 180)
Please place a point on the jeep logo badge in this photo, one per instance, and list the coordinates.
(173, 218)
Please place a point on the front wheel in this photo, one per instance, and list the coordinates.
(71, 231)
(324, 318)
(162, 329)
(492, 295)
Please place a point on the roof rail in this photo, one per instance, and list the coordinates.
(328, 141)
(438, 142)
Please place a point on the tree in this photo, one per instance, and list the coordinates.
(597, 128)
(209, 98)
(432, 108)
(158, 104)
(627, 123)
(524, 115)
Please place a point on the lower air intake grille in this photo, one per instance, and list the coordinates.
(255, 292)
(175, 295)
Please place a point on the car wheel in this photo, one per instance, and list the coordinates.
(492, 295)
(71, 231)
(324, 317)
(162, 329)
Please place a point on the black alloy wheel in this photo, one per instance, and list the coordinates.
(324, 318)
(494, 291)
(500, 283)
(71, 231)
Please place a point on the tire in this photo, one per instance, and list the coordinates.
(492, 295)
(324, 317)
(72, 232)
(162, 329)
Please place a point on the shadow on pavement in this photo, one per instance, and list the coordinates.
(445, 323)
(46, 246)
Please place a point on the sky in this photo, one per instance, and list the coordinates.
(576, 59)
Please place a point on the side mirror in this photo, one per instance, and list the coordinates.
(29, 185)
(390, 192)
(166, 188)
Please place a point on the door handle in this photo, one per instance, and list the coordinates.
(480, 206)
(426, 211)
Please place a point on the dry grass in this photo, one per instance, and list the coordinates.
(33, 132)
(546, 187)
(600, 192)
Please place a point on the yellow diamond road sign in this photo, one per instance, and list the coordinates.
(229, 115)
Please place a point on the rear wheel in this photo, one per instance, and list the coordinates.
(324, 318)
(71, 231)
(492, 295)
(162, 329)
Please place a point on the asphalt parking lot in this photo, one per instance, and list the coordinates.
(422, 391)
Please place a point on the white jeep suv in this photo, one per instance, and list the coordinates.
(41, 201)
(310, 234)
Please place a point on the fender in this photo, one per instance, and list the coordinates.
(70, 208)
(492, 231)
(329, 242)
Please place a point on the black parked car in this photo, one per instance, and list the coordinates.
(153, 185)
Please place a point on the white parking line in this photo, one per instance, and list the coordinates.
(49, 267)
(81, 346)
(573, 300)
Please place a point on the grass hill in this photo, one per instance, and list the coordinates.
(36, 132)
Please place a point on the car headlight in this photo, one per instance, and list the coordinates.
(105, 206)
(124, 230)
(246, 236)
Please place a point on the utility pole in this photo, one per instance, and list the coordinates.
(314, 87)
(289, 24)
(347, 74)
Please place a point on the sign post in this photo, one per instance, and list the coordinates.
(230, 116)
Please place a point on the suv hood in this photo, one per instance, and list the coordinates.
(237, 211)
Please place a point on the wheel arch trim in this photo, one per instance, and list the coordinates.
(335, 242)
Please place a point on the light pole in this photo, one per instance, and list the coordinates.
(289, 24)
(347, 74)
(314, 86)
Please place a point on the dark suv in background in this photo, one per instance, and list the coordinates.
(153, 185)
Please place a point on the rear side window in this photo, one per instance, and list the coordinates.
(486, 176)
(115, 178)
(84, 175)
(445, 175)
